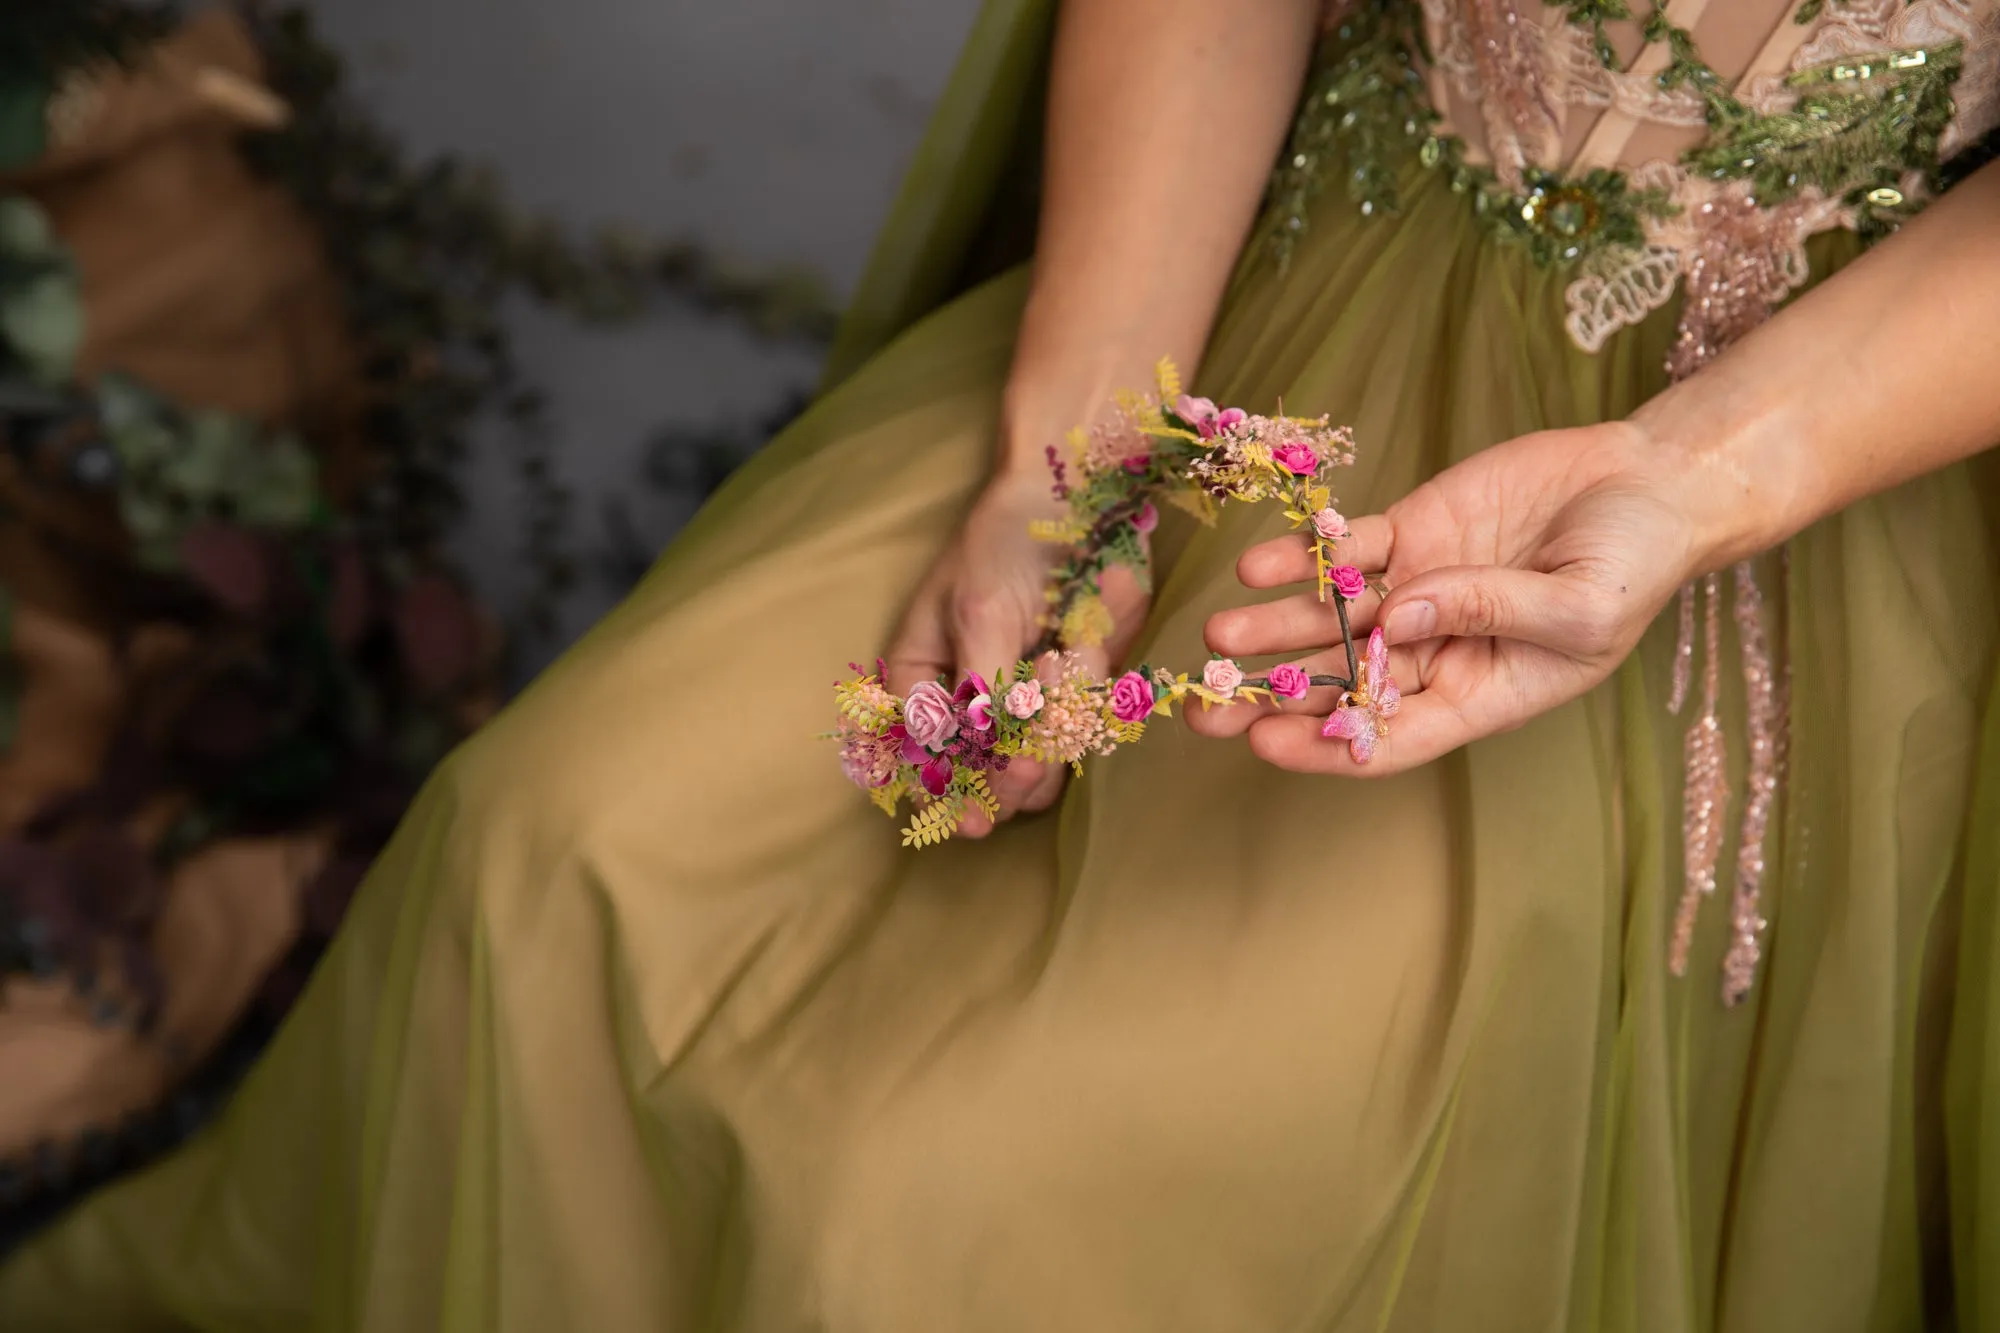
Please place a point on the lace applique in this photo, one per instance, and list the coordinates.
(1619, 288)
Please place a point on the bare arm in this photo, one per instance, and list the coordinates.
(1164, 119)
(1885, 371)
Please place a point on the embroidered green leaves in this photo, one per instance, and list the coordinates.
(1855, 131)
(1364, 113)
(1858, 126)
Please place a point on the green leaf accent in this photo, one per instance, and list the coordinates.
(41, 304)
(42, 323)
(24, 118)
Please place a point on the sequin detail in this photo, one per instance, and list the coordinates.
(1705, 785)
(1762, 722)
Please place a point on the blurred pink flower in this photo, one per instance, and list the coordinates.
(1202, 414)
(1146, 519)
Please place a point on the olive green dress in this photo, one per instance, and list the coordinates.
(646, 1022)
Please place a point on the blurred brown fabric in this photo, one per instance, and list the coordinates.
(209, 286)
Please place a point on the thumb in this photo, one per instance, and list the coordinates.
(1493, 601)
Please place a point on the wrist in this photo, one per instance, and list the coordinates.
(1733, 465)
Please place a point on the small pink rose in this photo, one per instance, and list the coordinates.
(1146, 519)
(1222, 676)
(1348, 582)
(1024, 700)
(1138, 463)
(1229, 419)
(936, 775)
(1329, 524)
(1295, 458)
(1131, 697)
(928, 715)
(1290, 681)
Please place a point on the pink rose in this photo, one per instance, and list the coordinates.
(1329, 524)
(1222, 676)
(928, 716)
(1290, 681)
(1131, 697)
(1024, 700)
(1146, 519)
(1348, 582)
(1296, 458)
(1138, 463)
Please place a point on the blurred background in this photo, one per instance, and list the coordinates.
(355, 357)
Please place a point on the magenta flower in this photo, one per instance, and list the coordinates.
(976, 700)
(1222, 676)
(1348, 582)
(1362, 719)
(1290, 681)
(1146, 519)
(929, 717)
(1138, 463)
(936, 775)
(1024, 700)
(1296, 458)
(1131, 697)
(1329, 524)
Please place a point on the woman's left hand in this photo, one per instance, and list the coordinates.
(1517, 580)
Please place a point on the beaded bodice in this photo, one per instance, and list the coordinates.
(1642, 146)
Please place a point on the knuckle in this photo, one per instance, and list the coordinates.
(1482, 610)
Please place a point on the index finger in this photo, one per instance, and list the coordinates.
(1289, 559)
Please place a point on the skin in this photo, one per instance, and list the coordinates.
(1524, 576)
(1148, 174)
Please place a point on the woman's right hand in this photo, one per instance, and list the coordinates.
(980, 610)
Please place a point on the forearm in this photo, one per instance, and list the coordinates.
(1887, 370)
(1164, 119)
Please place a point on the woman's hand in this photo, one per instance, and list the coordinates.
(1517, 580)
(980, 610)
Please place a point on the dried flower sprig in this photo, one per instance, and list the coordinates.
(937, 745)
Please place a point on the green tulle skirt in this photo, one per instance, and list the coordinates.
(645, 1021)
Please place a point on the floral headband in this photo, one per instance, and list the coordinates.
(937, 744)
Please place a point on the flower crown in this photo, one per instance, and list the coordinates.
(937, 744)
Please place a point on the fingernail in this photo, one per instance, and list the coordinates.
(1410, 622)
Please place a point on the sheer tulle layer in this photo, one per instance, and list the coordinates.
(646, 1022)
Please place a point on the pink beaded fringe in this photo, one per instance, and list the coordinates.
(1732, 280)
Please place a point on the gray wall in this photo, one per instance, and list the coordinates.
(774, 131)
